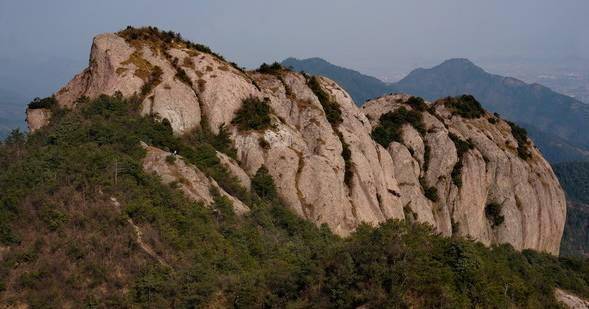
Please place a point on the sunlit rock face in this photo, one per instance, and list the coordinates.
(303, 151)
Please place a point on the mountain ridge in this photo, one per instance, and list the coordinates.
(163, 175)
(531, 105)
(343, 178)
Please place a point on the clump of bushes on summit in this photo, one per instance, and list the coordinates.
(417, 103)
(273, 68)
(155, 35)
(466, 106)
(48, 102)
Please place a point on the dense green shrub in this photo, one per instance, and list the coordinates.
(331, 108)
(417, 103)
(426, 156)
(220, 141)
(493, 213)
(48, 102)
(391, 123)
(466, 106)
(521, 136)
(348, 164)
(263, 184)
(254, 114)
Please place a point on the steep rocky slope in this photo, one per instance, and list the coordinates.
(319, 147)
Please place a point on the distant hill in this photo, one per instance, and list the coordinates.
(361, 87)
(557, 123)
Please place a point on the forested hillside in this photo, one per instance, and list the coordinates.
(81, 224)
(574, 178)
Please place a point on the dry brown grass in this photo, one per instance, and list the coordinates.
(90, 254)
(142, 67)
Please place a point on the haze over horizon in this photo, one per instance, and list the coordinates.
(382, 38)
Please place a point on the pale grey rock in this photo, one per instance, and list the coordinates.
(37, 118)
(570, 300)
(303, 151)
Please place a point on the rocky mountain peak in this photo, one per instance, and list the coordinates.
(447, 163)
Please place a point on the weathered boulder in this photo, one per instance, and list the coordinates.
(38, 118)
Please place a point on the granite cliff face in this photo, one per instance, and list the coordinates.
(333, 171)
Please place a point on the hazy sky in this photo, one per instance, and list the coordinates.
(44, 42)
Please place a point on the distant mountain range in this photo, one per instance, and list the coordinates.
(557, 123)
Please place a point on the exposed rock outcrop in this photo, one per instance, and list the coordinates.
(194, 183)
(303, 150)
(38, 118)
(570, 300)
(532, 202)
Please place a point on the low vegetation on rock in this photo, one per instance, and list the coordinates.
(155, 77)
(348, 165)
(391, 123)
(254, 114)
(466, 106)
(334, 116)
(162, 39)
(521, 136)
(493, 213)
(332, 109)
(462, 147)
